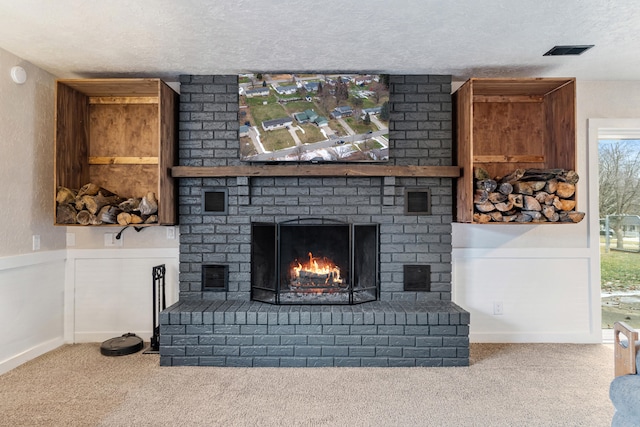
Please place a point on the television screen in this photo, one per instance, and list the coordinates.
(337, 117)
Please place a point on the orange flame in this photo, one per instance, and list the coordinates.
(320, 267)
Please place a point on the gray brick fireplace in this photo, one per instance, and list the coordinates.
(411, 322)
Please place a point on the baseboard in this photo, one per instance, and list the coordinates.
(523, 337)
(101, 336)
(32, 353)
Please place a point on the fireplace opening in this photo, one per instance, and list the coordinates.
(314, 261)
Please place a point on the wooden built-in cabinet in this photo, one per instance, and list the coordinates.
(505, 124)
(120, 134)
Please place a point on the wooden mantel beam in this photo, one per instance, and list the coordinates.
(315, 170)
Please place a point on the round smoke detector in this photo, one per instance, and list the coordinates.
(18, 75)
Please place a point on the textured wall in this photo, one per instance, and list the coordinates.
(420, 134)
(31, 284)
(26, 159)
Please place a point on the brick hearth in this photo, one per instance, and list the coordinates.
(237, 333)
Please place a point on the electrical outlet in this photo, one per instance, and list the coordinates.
(36, 242)
(171, 233)
(497, 308)
(110, 239)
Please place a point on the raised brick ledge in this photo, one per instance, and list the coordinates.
(243, 333)
(197, 312)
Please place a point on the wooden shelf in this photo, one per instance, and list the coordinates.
(500, 158)
(113, 160)
(119, 134)
(315, 171)
(504, 124)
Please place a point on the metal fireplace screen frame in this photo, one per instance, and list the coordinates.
(356, 249)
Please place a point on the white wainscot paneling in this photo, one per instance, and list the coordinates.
(114, 292)
(31, 306)
(544, 297)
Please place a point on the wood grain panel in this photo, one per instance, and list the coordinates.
(71, 141)
(123, 100)
(126, 180)
(508, 159)
(114, 87)
(560, 111)
(315, 170)
(123, 130)
(517, 86)
(512, 98)
(168, 151)
(464, 131)
(508, 129)
(123, 160)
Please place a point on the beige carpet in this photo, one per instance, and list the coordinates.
(506, 385)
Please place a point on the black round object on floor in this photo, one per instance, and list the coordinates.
(121, 346)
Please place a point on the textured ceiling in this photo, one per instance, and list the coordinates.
(464, 38)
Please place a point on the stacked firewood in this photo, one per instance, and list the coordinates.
(526, 195)
(94, 205)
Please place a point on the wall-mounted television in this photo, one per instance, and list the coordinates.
(293, 117)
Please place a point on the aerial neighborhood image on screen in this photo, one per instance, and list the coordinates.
(314, 117)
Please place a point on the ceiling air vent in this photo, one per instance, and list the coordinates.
(568, 50)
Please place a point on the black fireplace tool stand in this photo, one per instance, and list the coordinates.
(159, 304)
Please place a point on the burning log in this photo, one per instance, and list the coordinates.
(319, 273)
(94, 205)
(311, 279)
(526, 195)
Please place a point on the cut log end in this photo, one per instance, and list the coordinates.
(93, 205)
(527, 196)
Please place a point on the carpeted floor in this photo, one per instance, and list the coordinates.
(506, 385)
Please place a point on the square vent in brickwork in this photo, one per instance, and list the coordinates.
(417, 278)
(418, 201)
(214, 278)
(214, 201)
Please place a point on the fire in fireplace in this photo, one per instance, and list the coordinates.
(314, 261)
(315, 276)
